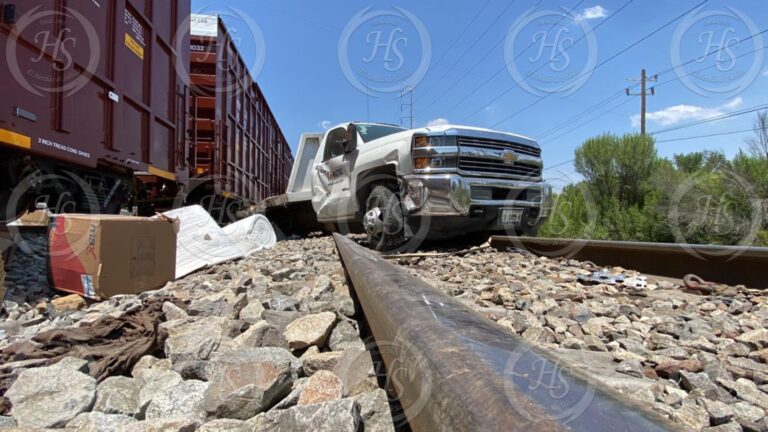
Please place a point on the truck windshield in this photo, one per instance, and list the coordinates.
(370, 132)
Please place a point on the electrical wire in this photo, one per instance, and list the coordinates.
(614, 56)
(464, 54)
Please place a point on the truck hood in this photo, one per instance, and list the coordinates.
(471, 131)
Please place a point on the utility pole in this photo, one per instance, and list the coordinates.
(408, 91)
(644, 91)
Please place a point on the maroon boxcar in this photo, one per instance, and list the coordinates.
(91, 93)
(239, 153)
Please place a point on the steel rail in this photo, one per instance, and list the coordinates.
(732, 265)
(454, 370)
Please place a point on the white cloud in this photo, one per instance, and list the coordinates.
(593, 12)
(437, 122)
(681, 113)
(325, 124)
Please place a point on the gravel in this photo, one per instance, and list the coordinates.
(699, 360)
(251, 345)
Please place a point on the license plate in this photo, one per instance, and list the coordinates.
(511, 216)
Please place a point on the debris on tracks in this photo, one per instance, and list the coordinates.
(221, 325)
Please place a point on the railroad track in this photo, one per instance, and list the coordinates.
(731, 265)
(453, 369)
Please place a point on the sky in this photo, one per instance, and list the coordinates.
(555, 70)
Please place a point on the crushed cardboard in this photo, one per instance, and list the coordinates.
(38, 218)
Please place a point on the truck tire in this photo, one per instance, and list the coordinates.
(384, 220)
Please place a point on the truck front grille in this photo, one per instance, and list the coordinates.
(488, 166)
(499, 145)
(473, 164)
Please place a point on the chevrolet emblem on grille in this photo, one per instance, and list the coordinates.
(509, 157)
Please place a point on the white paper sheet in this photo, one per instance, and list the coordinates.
(200, 241)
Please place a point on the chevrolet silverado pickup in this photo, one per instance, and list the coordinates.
(401, 186)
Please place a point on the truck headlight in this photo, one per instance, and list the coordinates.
(436, 162)
(434, 152)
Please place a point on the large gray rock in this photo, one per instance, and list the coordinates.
(323, 386)
(173, 312)
(193, 342)
(755, 338)
(99, 422)
(748, 391)
(226, 425)
(118, 395)
(355, 369)
(254, 337)
(252, 312)
(337, 416)
(153, 382)
(50, 397)
(182, 400)
(320, 361)
(691, 415)
(375, 412)
(175, 424)
(719, 413)
(309, 330)
(747, 413)
(247, 382)
(344, 335)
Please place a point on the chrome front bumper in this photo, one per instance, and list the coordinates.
(457, 195)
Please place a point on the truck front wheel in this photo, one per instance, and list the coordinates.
(384, 220)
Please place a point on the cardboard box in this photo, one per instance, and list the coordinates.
(100, 256)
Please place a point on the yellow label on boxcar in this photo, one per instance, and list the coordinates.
(15, 139)
(134, 46)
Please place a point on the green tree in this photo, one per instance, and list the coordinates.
(618, 167)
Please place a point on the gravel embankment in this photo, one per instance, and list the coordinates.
(700, 360)
(271, 342)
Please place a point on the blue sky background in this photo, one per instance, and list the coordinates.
(303, 76)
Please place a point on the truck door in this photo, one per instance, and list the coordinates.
(331, 194)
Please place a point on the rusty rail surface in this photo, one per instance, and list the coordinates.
(453, 369)
(732, 265)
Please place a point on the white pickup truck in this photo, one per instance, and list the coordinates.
(400, 186)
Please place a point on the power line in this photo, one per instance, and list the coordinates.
(579, 126)
(583, 114)
(677, 78)
(747, 111)
(707, 136)
(712, 119)
(479, 62)
(461, 57)
(463, 32)
(516, 84)
(632, 45)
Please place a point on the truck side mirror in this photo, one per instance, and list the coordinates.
(350, 144)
